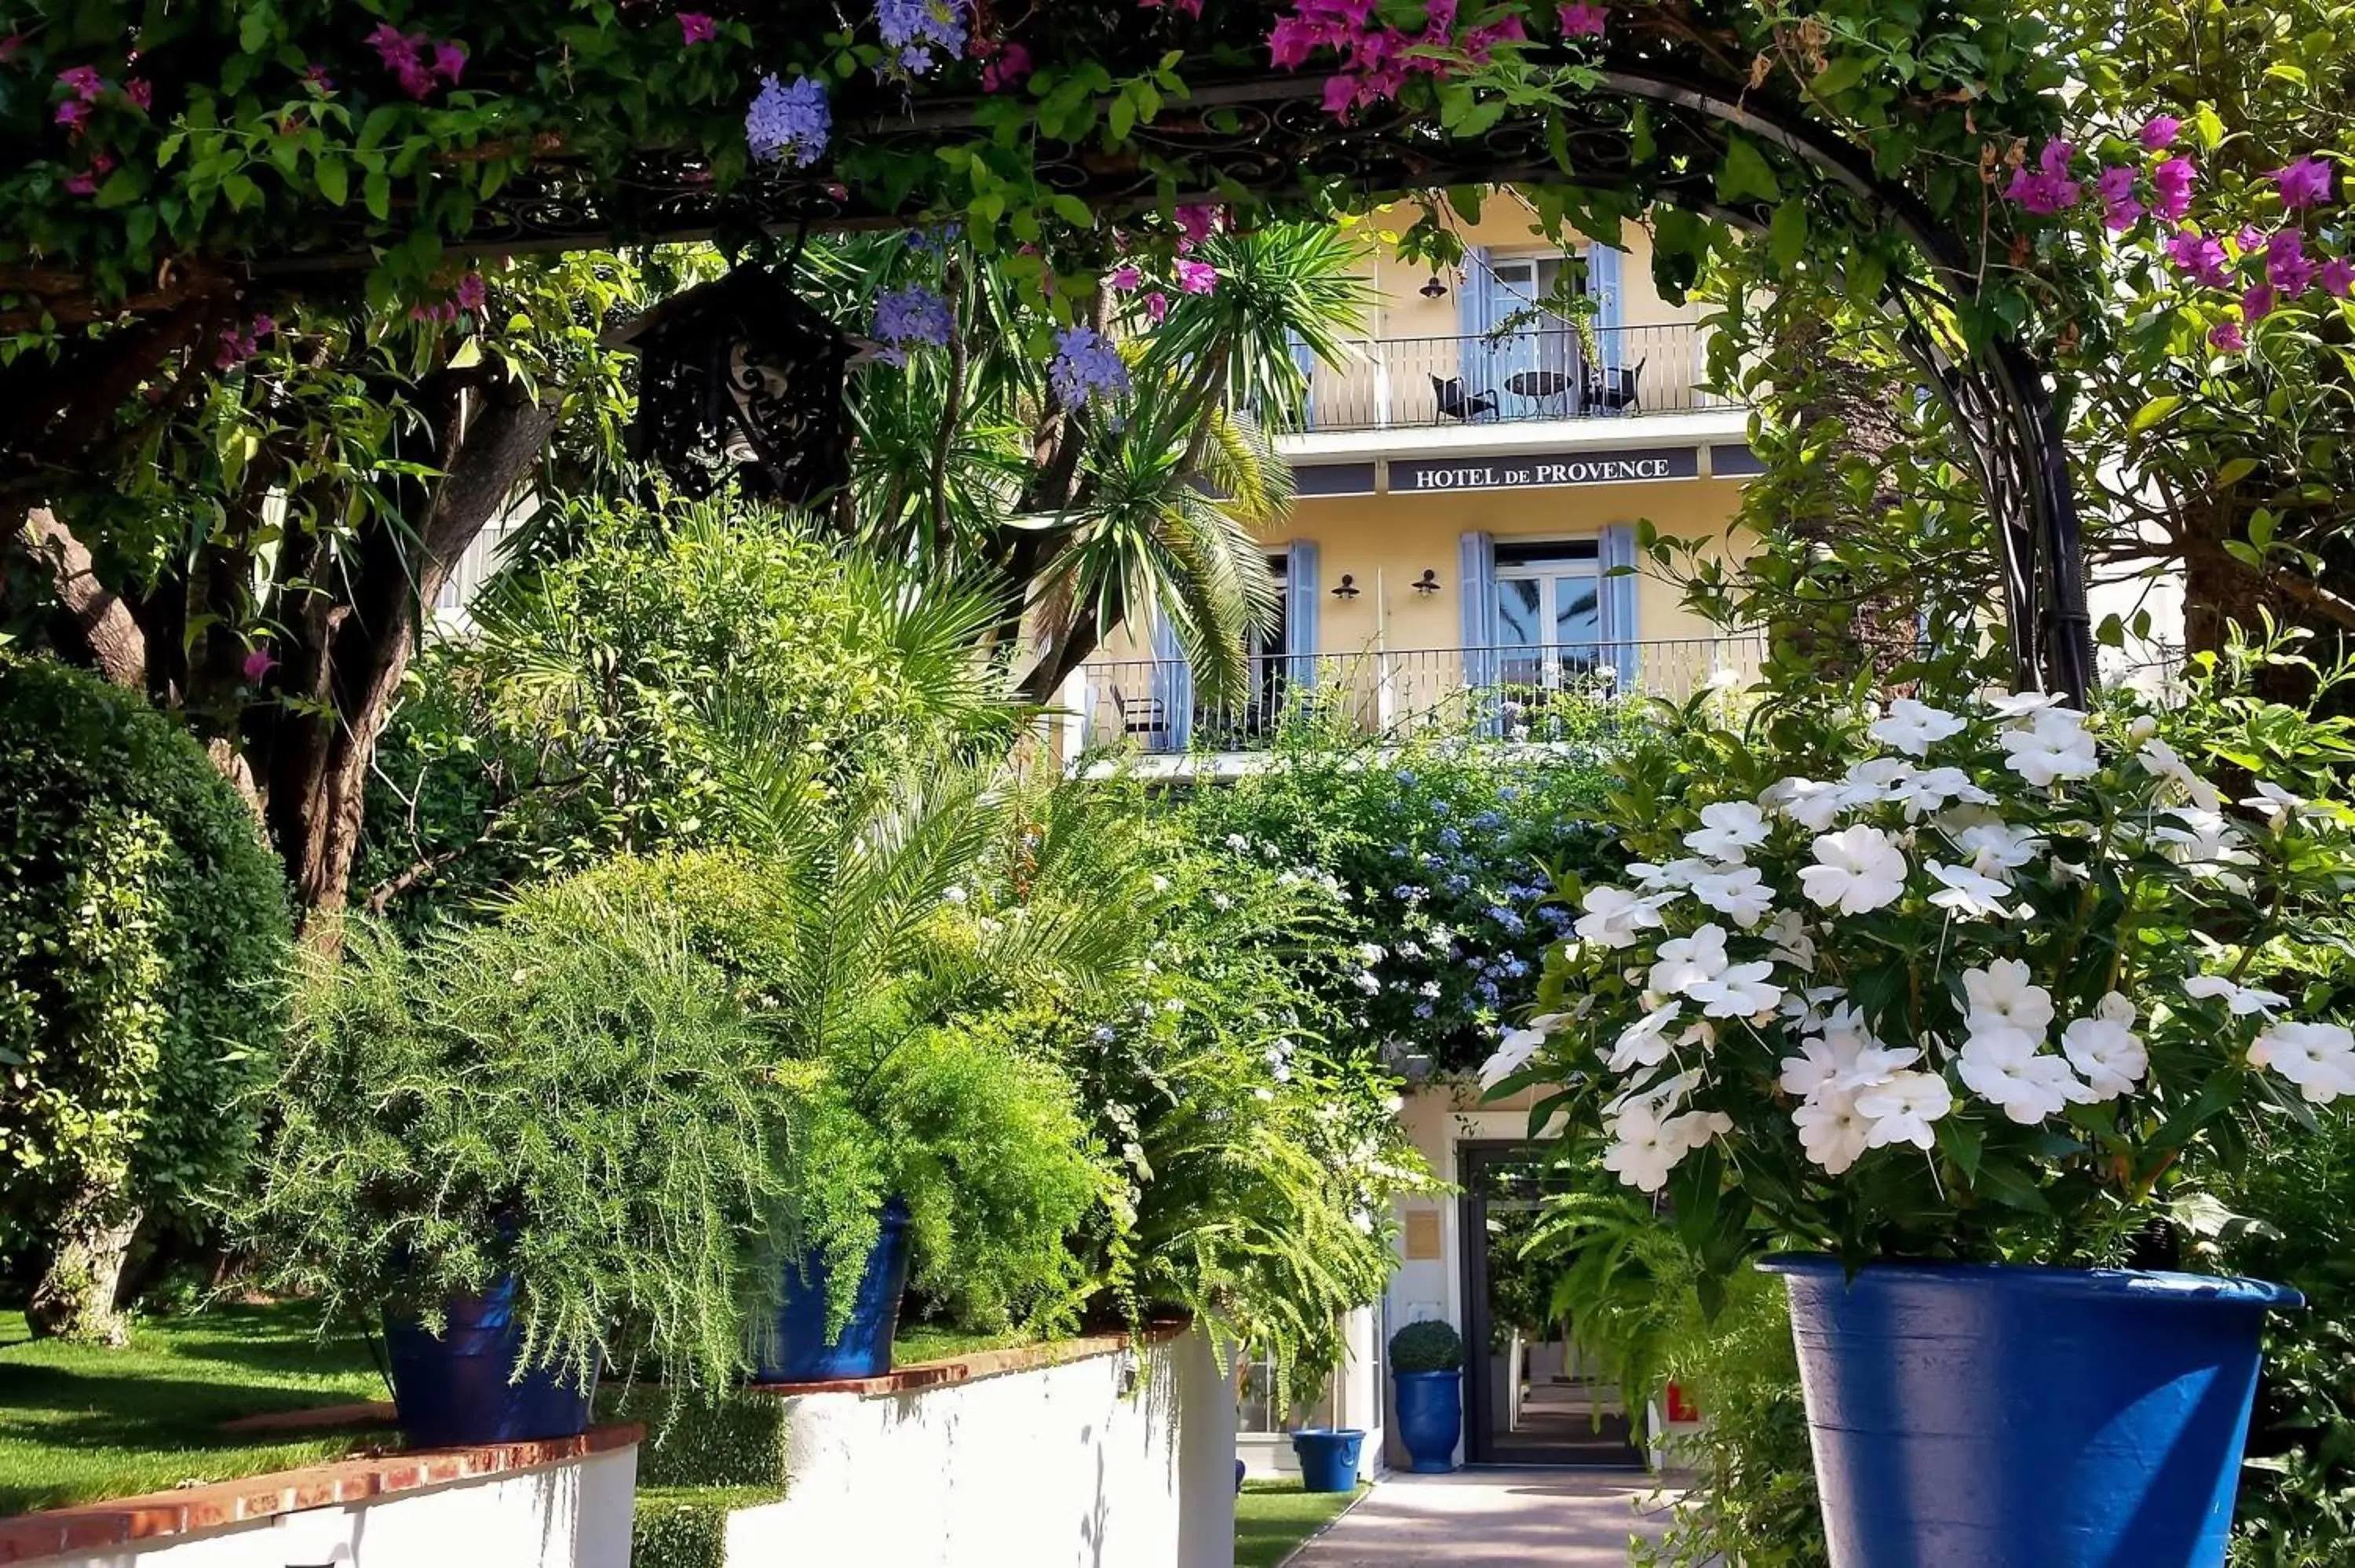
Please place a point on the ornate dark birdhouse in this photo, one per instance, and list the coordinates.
(741, 371)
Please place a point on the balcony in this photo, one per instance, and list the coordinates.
(1512, 377)
(1539, 695)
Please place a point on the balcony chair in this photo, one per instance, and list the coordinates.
(1614, 390)
(1139, 716)
(1453, 403)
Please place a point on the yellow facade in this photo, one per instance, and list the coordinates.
(1478, 544)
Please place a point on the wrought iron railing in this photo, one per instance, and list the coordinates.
(1516, 693)
(1552, 372)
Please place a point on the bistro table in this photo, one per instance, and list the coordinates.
(1539, 386)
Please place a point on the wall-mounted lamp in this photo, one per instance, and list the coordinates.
(1434, 289)
(1348, 588)
(1426, 584)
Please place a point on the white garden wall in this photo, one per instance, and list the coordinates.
(1121, 1459)
(502, 1509)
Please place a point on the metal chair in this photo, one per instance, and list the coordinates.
(1449, 393)
(1616, 390)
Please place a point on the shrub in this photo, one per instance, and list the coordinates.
(144, 942)
(1427, 1346)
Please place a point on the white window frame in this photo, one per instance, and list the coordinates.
(1547, 571)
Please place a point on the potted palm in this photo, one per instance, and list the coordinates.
(1427, 1369)
(1954, 1001)
(530, 1149)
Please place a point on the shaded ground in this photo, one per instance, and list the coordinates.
(78, 1423)
(1495, 1519)
(1274, 1517)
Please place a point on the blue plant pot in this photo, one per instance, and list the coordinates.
(1430, 1419)
(1978, 1416)
(462, 1389)
(1328, 1457)
(800, 1351)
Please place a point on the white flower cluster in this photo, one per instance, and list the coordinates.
(1938, 847)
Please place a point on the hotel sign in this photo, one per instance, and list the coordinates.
(1544, 470)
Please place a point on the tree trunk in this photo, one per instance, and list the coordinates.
(349, 652)
(98, 617)
(75, 1298)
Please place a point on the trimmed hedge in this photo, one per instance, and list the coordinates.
(736, 1440)
(686, 1527)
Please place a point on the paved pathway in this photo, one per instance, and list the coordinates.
(1494, 1519)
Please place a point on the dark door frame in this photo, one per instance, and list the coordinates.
(1473, 1156)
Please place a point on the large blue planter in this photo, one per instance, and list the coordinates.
(1430, 1418)
(460, 1389)
(1328, 1457)
(1972, 1415)
(799, 1350)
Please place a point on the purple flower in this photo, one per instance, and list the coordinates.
(1006, 69)
(697, 27)
(2338, 277)
(473, 293)
(2256, 303)
(1197, 221)
(913, 28)
(2226, 337)
(1196, 277)
(2287, 267)
(449, 61)
(2046, 189)
(2249, 241)
(2170, 185)
(2159, 131)
(258, 665)
(1157, 307)
(2307, 182)
(2115, 186)
(1124, 278)
(83, 81)
(2200, 255)
(391, 45)
(907, 317)
(73, 112)
(1086, 366)
(789, 122)
(1584, 21)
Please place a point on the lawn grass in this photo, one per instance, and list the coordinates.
(1273, 1518)
(79, 1424)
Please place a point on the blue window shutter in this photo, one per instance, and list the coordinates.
(1173, 689)
(1476, 572)
(1300, 612)
(1603, 275)
(1619, 601)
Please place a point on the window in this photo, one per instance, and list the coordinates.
(1546, 623)
(1255, 1408)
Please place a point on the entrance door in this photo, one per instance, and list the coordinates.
(1549, 625)
(1529, 1396)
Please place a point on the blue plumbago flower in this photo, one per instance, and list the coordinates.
(1506, 792)
(1439, 807)
(789, 122)
(1458, 886)
(907, 317)
(1449, 839)
(1406, 893)
(1433, 862)
(1105, 1034)
(936, 239)
(1400, 852)
(1086, 366)
(1489, 822)
(1424, 1010)
(915, 27)
(1405, 778)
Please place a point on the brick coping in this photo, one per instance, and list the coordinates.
(94, 1527)
(977, 1365)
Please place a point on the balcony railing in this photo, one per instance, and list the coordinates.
(1554, 373)
(1516, 693)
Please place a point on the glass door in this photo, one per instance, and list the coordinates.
(1548, 623)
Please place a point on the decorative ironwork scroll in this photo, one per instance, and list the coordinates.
(740, 373)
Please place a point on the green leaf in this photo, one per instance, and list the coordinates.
(1838, 75)
(335, 180)
(1745, 175)
(2152, 412)
(1786, 235)
(376, 191)
(2234, 471)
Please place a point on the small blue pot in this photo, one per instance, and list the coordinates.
(1328, 1457)
(462, 1389)
(1978, 1416)
(799, 1350)
(1430, 1418)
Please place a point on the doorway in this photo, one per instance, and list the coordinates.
(1530, 1396)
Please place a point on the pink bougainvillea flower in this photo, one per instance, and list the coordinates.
(1156, 306)
(72, 113)
(2287, 267)
(2117, 187)
(2201, 257)
(238, 347)
(2158, 132)
(1008, 68)
(442, 311)
(86, 183)
(1584, 21)
(1197, 221)
(2249, 241)
(140, 91)
(391, 45)
(317, 78)
(2256, 303)
(2047, 188)
(2307, 182)
(697, 27)
(2338, 277)
(258, 664)
(2170, 185)
(83, 81)
(473, 294)
(2226, 337)
(1196, 277)
(1123, 280)
(449, 61)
